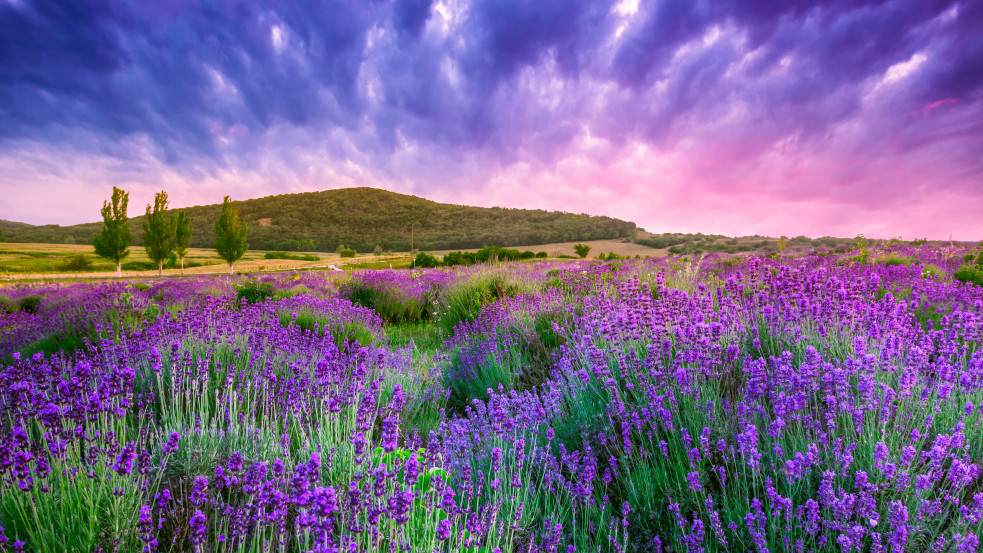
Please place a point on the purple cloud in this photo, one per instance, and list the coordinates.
(870, 108)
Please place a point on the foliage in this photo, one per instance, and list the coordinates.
(464, 300)
(139, 266)
(78, 262)
(398, 297)
(582, 250)
(158, 231)
(347, 252)
(230, 234)
(292, 256)
(969, 274)
(29, 304)
(182, 236)
(113, 241)
(459, 258)
(342, 333)
(425, 260)
(253, 291)
(731, 404)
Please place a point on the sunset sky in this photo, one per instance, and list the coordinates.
(717, 116)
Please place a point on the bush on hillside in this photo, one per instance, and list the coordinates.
(253, 291)
(29, 304)
(78, 262)
(969, 274)
(291, 256)
(425, 260)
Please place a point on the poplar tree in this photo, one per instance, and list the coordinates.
(158, 232)
(113, 242)
(230, 233)
(182, 236)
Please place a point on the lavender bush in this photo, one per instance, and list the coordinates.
(825, 402)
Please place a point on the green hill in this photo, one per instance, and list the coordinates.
(359, 218)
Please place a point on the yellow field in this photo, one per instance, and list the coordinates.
(45, 261)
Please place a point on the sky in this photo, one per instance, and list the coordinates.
(718, 116)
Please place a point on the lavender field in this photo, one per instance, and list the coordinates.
(808, 403)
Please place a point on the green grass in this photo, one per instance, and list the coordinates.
(18, 258)
(425, 336)
(464, 300)
(398, 263)
(344, 333)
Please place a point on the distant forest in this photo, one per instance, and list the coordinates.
(358, 218)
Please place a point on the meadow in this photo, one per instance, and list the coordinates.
(34, 261)
(807, 402)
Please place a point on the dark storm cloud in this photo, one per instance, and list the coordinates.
(411, 15)
(118, 70)
(211, 83)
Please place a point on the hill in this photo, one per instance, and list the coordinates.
(359, 218)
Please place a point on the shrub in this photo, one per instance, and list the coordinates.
(497, 253)
(582, 250)
(542, 254)
(932, 271)
(426, 261)
(78, 262)
(347, 252)
(396, 296)
(342, 332)
(894, 259)
(517, 355)
(139, 266)
(291, 256)
(29, 304)
(253, 291)
(528, 254)
(7, 305)
(377, 250)
(460, 258)
(969, 274)
(465, 299)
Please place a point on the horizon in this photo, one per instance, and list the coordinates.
(132, 215)
(819, 119)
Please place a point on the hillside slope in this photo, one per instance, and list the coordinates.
(360, 218)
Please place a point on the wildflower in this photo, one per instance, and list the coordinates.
(444, 529)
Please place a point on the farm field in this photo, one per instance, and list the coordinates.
(25, 261)
(808, 402)
(36, 261)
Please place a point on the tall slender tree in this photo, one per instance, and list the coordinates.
(230, 234)
(182, 236)
(158, 232)
(113, 242)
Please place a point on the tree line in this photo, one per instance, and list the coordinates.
(164, 236)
